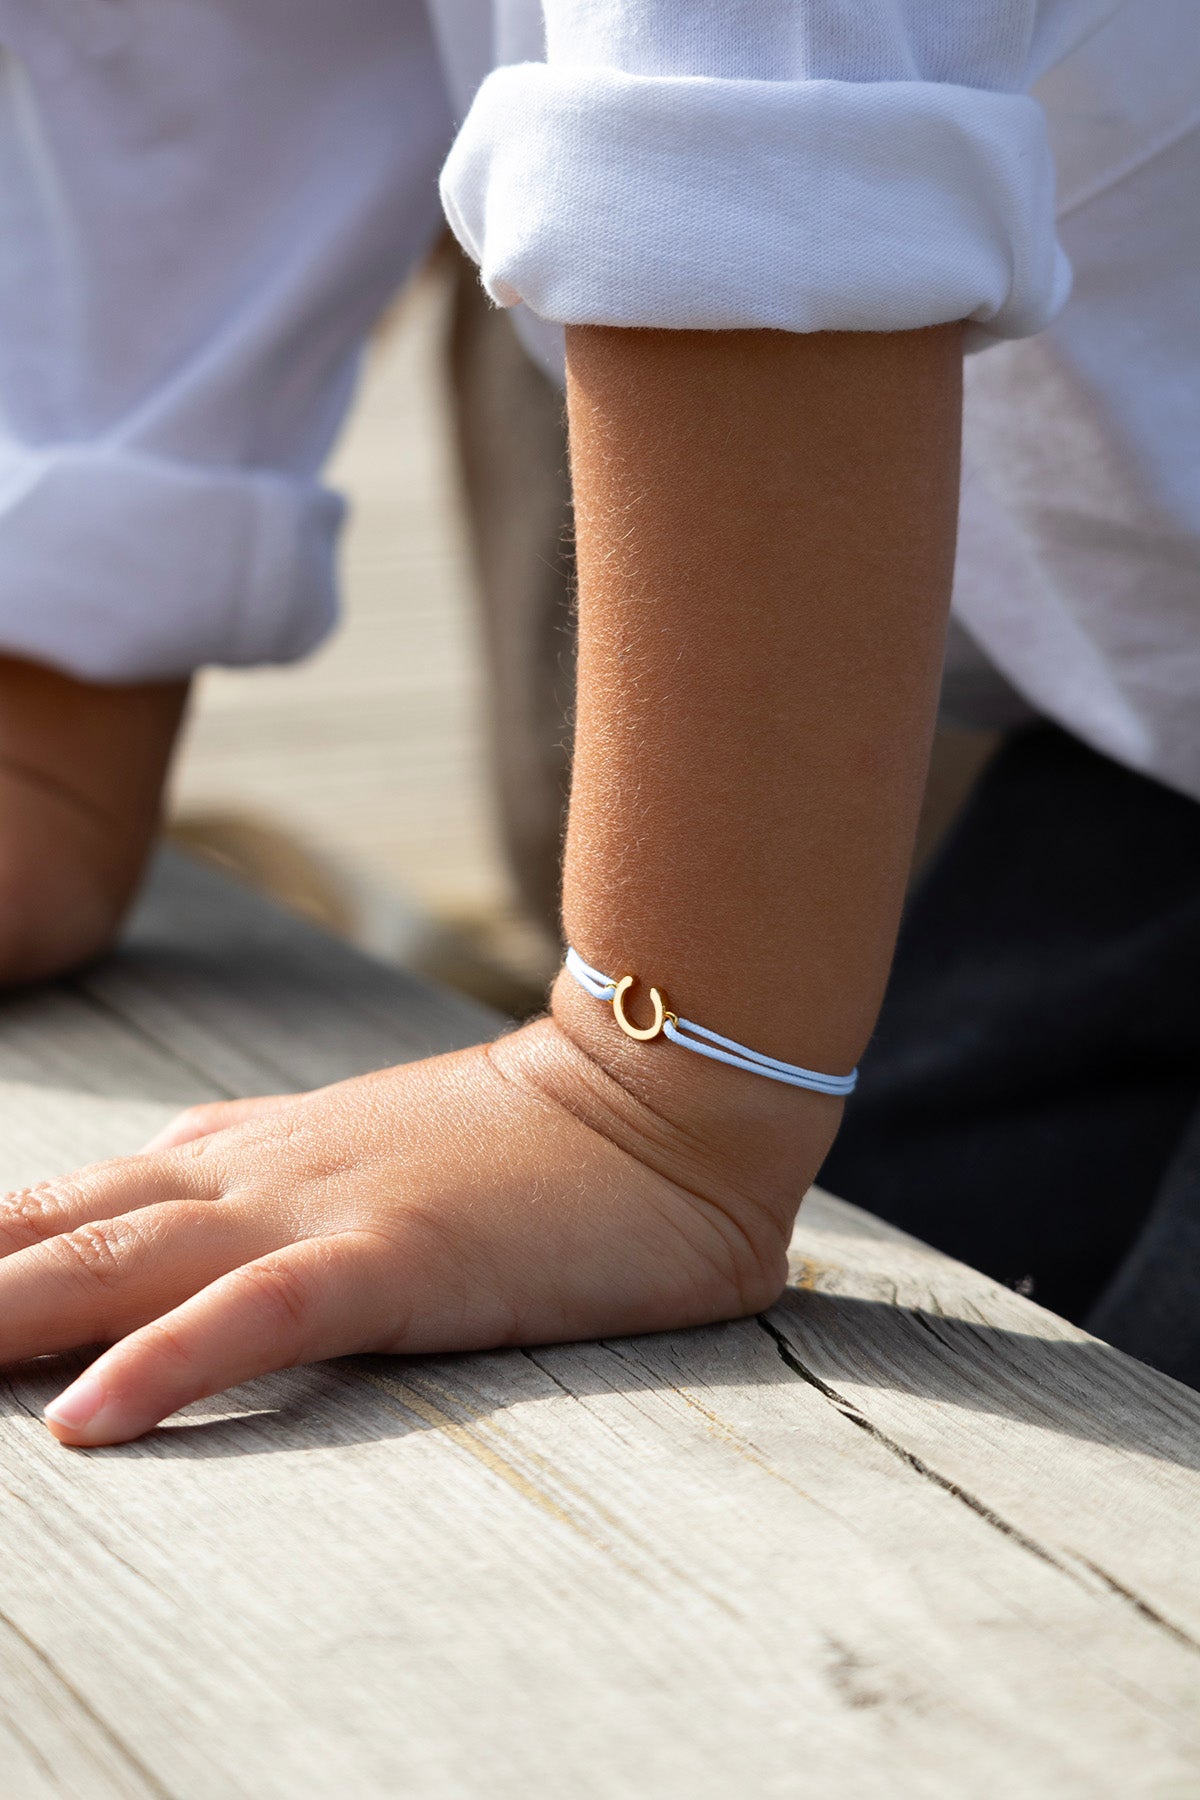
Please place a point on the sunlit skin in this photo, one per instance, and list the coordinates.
(81, 774)
(765, 531)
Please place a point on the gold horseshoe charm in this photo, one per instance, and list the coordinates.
(661, 1015)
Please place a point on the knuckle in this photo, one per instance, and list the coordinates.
(195, 1149)
(280, 1295)
(200, 1164)
(36, 1213)
(166, 1347)
(283, 1134)
(98, 1251)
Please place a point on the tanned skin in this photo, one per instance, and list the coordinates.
(81, 775)
(765, 529)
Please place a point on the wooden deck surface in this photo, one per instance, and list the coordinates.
(905, 1534)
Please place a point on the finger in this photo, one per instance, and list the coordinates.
(97, 1282)
(103, 1191)
(216, 1115)
(324, 1297)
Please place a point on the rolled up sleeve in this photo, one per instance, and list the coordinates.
(760, 163)
(205, 203)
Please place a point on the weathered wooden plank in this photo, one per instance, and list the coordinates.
(78, 1082)
(257, 1001)
(51, 1740)
(987, 1388)
(446, 1577)
(908, 1534)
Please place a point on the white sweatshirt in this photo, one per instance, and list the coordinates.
(204, 203)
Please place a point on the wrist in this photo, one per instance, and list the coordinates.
(751, 1141)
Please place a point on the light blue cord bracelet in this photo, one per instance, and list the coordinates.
(698, 1037)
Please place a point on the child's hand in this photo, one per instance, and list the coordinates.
(509, 1194)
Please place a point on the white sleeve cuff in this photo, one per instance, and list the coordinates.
(204, 205)
(120, 566)
(599, 197)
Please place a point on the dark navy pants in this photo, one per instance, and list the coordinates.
(1031, 1100)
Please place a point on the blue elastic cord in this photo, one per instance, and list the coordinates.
(712, 1044)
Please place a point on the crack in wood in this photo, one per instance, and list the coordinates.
(17, 1401)
(1141, 1606)
(723, 1634)
(980, 1507)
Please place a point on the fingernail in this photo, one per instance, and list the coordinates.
(78, 1405)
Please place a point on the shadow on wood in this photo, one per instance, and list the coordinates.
(1068, 1387)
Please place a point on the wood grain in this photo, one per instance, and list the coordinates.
(907, 1534)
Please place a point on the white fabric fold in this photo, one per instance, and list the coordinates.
(601, 197)
(204, 205)
(122, 566)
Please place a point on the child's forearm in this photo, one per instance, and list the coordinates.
(765, 528)
(765, 533)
